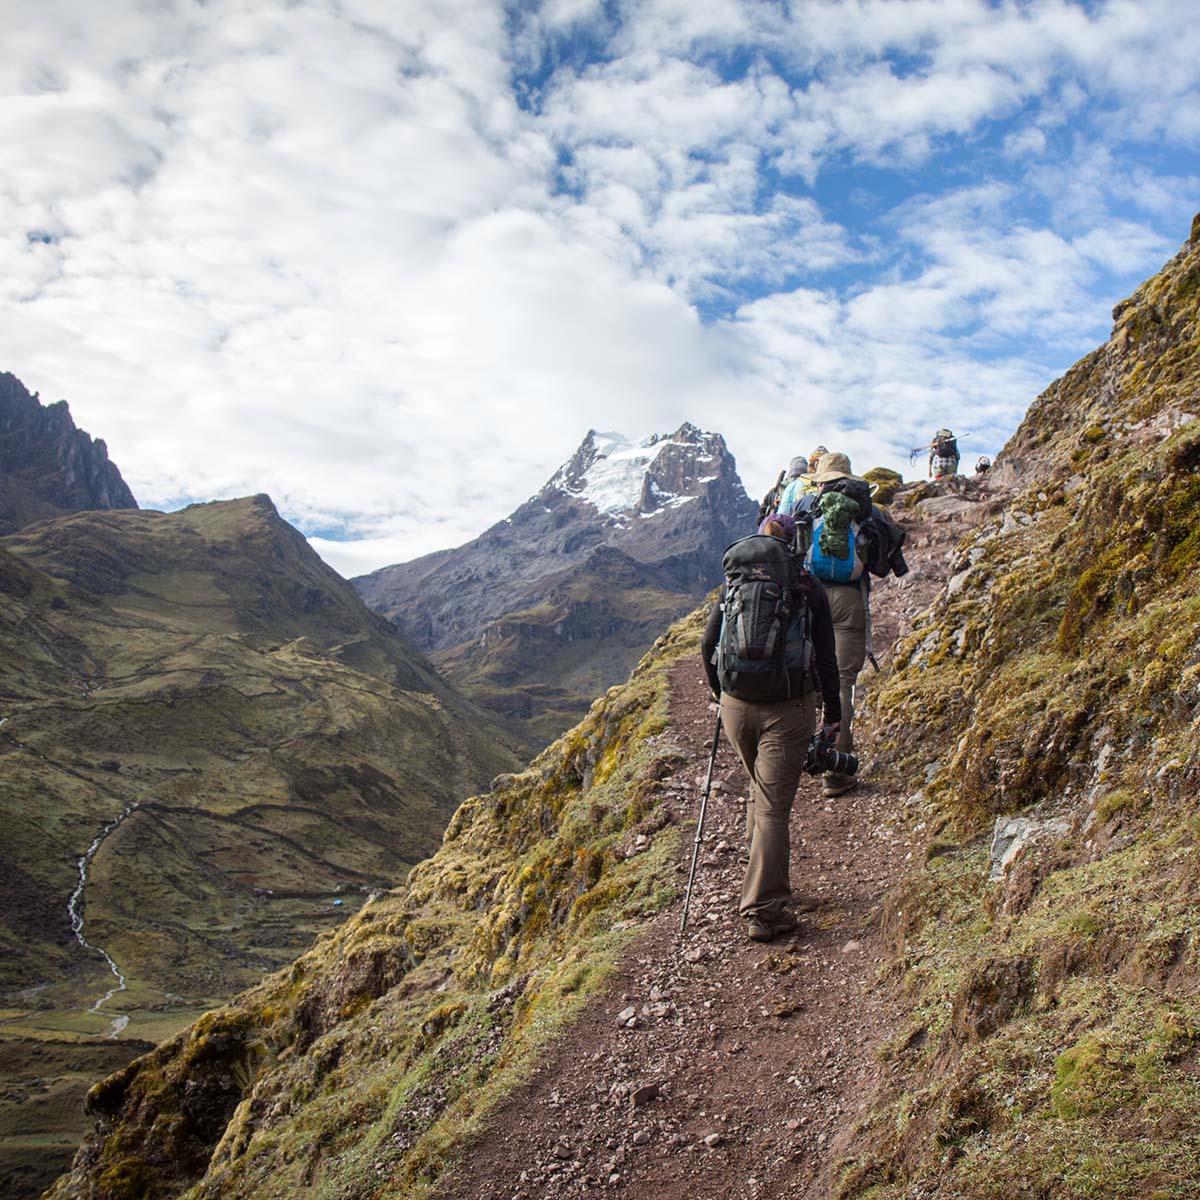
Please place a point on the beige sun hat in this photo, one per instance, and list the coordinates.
(834, 465)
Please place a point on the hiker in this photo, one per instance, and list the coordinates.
(943, 455)
(848, 537)
(771, 501)
(796, 487)
(768, 704)
(983, 466)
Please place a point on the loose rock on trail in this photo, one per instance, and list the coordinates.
(715, 1066)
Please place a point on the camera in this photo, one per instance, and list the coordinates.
(823, 757)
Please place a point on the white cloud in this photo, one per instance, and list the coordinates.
(389, 263)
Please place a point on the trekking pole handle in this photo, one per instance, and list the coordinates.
(712, 762)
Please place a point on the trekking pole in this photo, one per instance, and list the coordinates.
(712, 762)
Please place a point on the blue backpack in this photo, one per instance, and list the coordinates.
(823, 565)
(835, 570)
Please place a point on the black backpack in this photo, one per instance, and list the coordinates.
(858, 490)
(764, 652)
(945, 447)
(883, 542)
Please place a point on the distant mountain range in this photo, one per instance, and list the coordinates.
(554, 604)
(47, 466)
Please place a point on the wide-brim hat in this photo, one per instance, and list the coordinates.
(833, 466)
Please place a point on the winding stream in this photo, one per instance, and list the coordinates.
(118, 1024)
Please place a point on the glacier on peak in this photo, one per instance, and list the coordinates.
(609, 470)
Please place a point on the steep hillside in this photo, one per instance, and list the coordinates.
(359, 1069)
(210, 751)
(557, 602)
(47, 466)
(374, 1065)
(1051, 1045)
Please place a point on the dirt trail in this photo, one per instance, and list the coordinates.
(742, 1062)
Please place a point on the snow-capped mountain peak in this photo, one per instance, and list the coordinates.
(620, 477)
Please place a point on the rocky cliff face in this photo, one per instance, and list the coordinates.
(210, 750)
(47, 466)
(557, 602)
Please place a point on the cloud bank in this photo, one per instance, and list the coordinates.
(390, 262)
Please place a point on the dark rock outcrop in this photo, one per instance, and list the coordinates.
(48, 467)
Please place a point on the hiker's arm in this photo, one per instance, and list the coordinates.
(825, 653)
(708, 644)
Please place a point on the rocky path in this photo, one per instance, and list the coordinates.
(717, 1067)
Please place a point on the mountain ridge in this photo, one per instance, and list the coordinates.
(48, 467)
(210, 751)
(558, 601)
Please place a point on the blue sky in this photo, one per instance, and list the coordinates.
(390, 261)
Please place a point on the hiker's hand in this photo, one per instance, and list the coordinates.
(830, 730)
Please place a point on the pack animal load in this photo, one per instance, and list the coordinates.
(764, 652)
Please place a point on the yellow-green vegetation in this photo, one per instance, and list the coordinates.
(363, 1068)
(278, 751)
(1052, 1045)
(887, 483)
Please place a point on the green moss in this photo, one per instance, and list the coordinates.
(1112, 803)
(1084, 922)
(129, 1179)
(886, 483)
(1090, 1079)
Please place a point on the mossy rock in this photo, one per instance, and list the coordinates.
(924, 490)
(887, 483)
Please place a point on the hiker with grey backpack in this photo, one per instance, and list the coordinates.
(772, 501)
(768, 648)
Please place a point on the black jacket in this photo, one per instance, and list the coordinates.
(824, 651)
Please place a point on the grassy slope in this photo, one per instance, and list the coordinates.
(363, 1066)
(282, 745)
(207, 667)
(1053, 1045)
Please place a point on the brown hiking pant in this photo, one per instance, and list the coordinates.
(772, 741)
(850, 636)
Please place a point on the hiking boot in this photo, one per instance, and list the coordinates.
(835, 784)
(759, 929)
(784, 922)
